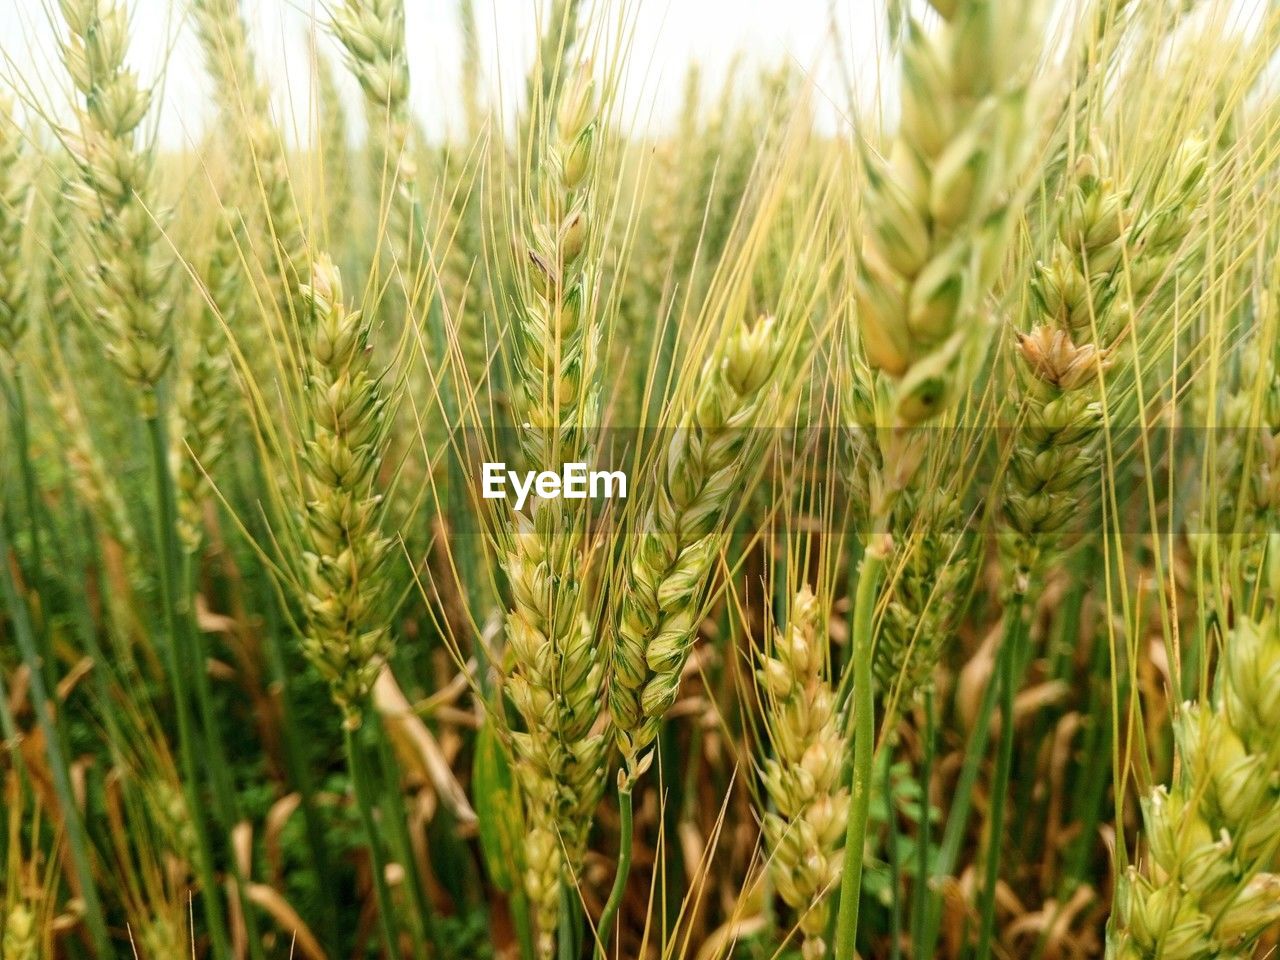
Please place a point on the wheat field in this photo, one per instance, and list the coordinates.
(841, 521)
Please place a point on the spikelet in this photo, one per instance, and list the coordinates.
(557, 678)
(802, 778)
(15, 191)
(673, 552)
(938, 208)
(127, 279)
(206, 396)
(1081, 309)
(1205, 889)
(344, 583)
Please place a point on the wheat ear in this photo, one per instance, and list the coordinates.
(346, 637)
(1248, 451)
(21, 939)
(1082, 308)
(802, 778)
(128, 277)
(939, 207)
(335, 152)
(245, 100)
(939, 211)
(15, 193)
(372, 34)
(1205, 889)
(557, 678)
(206, 395)
(671, 558)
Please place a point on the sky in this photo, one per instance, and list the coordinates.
(668, 35)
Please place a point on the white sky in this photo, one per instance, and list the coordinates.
(668, 35)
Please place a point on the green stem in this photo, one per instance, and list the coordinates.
(397, 821)
(958, 816)
(377, 863)
(895, 861)
(180, 670)
(226, 808)
(18, 410)
(863, 754)
(565, 935)
(626, 784)
(919, 901)
(524, 927)
(1010, 656)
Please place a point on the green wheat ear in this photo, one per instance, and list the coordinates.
(1205, 889)
(346, 637)
(939, 206)
(21, 935)
(556, 678)
(680, 535)
(15, 193)
(1107, 257)
(127, 276)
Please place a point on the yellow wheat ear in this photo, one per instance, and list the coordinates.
(802, 778)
